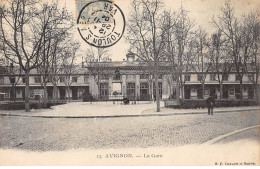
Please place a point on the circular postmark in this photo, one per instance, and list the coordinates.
(101, 23)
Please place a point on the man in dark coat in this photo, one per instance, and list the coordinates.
(210, 104)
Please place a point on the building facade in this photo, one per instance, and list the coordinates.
(127, 78)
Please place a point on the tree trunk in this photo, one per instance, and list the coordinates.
(221, 90)
(203, 90)
(150, 91)
(178, 91)
(241, 90)
(14, 93)
(177, 86)
(99, 95)
(55, 88)
(44, 94)
(157, 89)
(68, 92)
(181, 86)
(27, 92)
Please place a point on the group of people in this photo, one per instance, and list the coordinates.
(210, 104)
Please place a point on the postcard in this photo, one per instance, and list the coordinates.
(129, 82)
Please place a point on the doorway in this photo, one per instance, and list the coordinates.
(237, 92)
(74, 93)
(212, 92)
(144, 91)
(199, 93)
(225, 92)
(250, 92)
(50, 92)
(187, 92)
(62, 93)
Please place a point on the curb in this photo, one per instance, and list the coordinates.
(214, 140)
(119, 116)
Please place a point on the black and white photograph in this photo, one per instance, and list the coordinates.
(129, 82)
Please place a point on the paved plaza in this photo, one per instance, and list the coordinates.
(115, 109)
(51, 134)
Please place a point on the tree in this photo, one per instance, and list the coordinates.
(179, 47)
(170, 53)
(146, 30)
(96, 63)
(237, 48)
(201, 63)
(59, 27)
(251, 34)
(242, 36)
(24, 34)
(148, 73)
(12, 72)
(220, 59)
(55, 65)
(68, 65)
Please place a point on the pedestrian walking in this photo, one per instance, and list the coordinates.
(210, 104)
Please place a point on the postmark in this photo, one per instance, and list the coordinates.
(101, 23)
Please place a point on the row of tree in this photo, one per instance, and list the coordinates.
(37, 35)
(156, 35)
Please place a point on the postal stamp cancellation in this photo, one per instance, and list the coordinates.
(101, 23)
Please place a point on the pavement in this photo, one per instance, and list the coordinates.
(110, 109)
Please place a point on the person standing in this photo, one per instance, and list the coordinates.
(210, 104)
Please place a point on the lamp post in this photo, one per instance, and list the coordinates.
(12, 81)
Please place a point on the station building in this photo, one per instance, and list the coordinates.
(128, 78)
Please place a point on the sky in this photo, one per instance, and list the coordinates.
(201, 11)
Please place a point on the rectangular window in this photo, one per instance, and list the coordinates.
(23, 79)
(144, 86)
(103, 90)
(144, 76)
(130, 89)
(200, 77)
(31, 93)
(160, 76)
(62, 79)
(225, 77)
(237, 78)
(48, 80)
(37, 79)
(75, 79)
(212, 77)
(7, 94)
(231, 92)
(206, 91)
(144, 91)
(187, 77)
(160, 89)
(86, 78)
(2, 80)
(250, 77)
